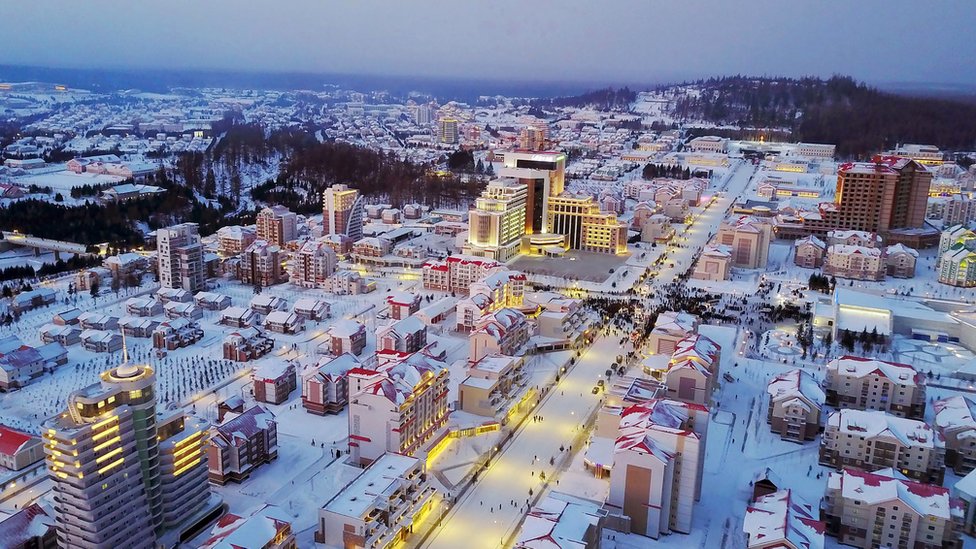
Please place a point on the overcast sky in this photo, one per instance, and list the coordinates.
(605, 40)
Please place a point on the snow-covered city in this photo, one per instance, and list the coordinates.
(732, 312)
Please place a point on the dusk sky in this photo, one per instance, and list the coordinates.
(613, 41)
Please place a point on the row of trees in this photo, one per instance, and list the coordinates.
(672, 171)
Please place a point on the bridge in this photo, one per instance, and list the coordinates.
(57, 246)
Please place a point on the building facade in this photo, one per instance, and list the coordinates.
(180, 256)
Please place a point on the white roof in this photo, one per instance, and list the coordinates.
(783, 517)
(857, 367)
(954, 412)
(559, 521)
(377, 481)
(873, 424)
(796, 383)
(882, 486)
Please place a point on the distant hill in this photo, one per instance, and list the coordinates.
(859, 119)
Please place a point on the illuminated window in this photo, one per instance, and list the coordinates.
(135, 394)
(101, 403)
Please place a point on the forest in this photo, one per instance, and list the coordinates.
(859, 119)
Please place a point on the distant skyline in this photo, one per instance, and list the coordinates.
(625, 41)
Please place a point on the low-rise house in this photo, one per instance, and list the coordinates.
(19, 450)
(98, 321)
(349, 283)
(882, 508)
(379, 506)
(101, 341)
(241, 444)
(954, 418)
(32, 299)
(189, 311)
(238, 317)
(247, 344)
(795, 404)
(210, 301)
(714, 263)
(138, 327)
(176, 333)
(267, 528)
(470, 310)
(783, 520)
(264, 304)
(68, 317)
(311, 309)
(872, 384)
(875, 440)
(561, 520)
(65, 335)
(174, 294)
(325, 386)
(436, 312)
(284, 322)
(274, 381)
(143, 306)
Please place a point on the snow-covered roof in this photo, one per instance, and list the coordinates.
(559, 521)
(849, 249)
(954, 413)
(377, 482)
(859, 367)
(784, 518)
(345, 328)
(883, 486)
(796, 383)
(246, 425)
(260, 529)
(900, 249)
(640, 421)
(675, 322)
(873, 424)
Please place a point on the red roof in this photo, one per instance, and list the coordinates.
(11, 441)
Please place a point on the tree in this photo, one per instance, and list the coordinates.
(93, 289)
(847, 340)
(116, 284)
(58, 198)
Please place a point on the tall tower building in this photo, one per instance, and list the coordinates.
(497, 222)
(422, 114)
(342, 212)
(124, 476)
(277, 225)
(447, 131)
(888, 194)
(544, 176)
(180, 257)
(534, 138)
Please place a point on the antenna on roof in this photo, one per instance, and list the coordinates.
(125, 349)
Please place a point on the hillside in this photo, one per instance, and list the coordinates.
(860, 119)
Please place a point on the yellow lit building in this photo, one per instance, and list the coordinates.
(497, 223)
(586, 228)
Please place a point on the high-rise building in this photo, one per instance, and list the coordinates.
(885, 195)
(421, 114)
(497, 222)
(533, 138)
(447, 131)
(180, 257)
(123, 474)
(579, 219)
(544, 175)
(277, 225)
(342, 210)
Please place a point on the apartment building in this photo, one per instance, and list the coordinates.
(562, 520)
(954, 418)
(277, 225)
(748, 238)
(872, 384)
(261, 264)
(691, 371)
(490, 385)
(241, 444)
(346, 336)
(180, 256)
(470, 310)
(586, 228)
(808, 252)
(855, 262)
(506, 288)
(714, 263)
(379, 507)
(234, 239)
(884, 509)
(267, 528)
(272, 382)
(325, 386)
(874, 440)
(397, 407)
(658, 458)
(176, 333)
(456, 273)
(795, 404)
(503, 332)
(132, 480)
(246, 344)
(408, 335)
(313, 264)
(402, 304)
